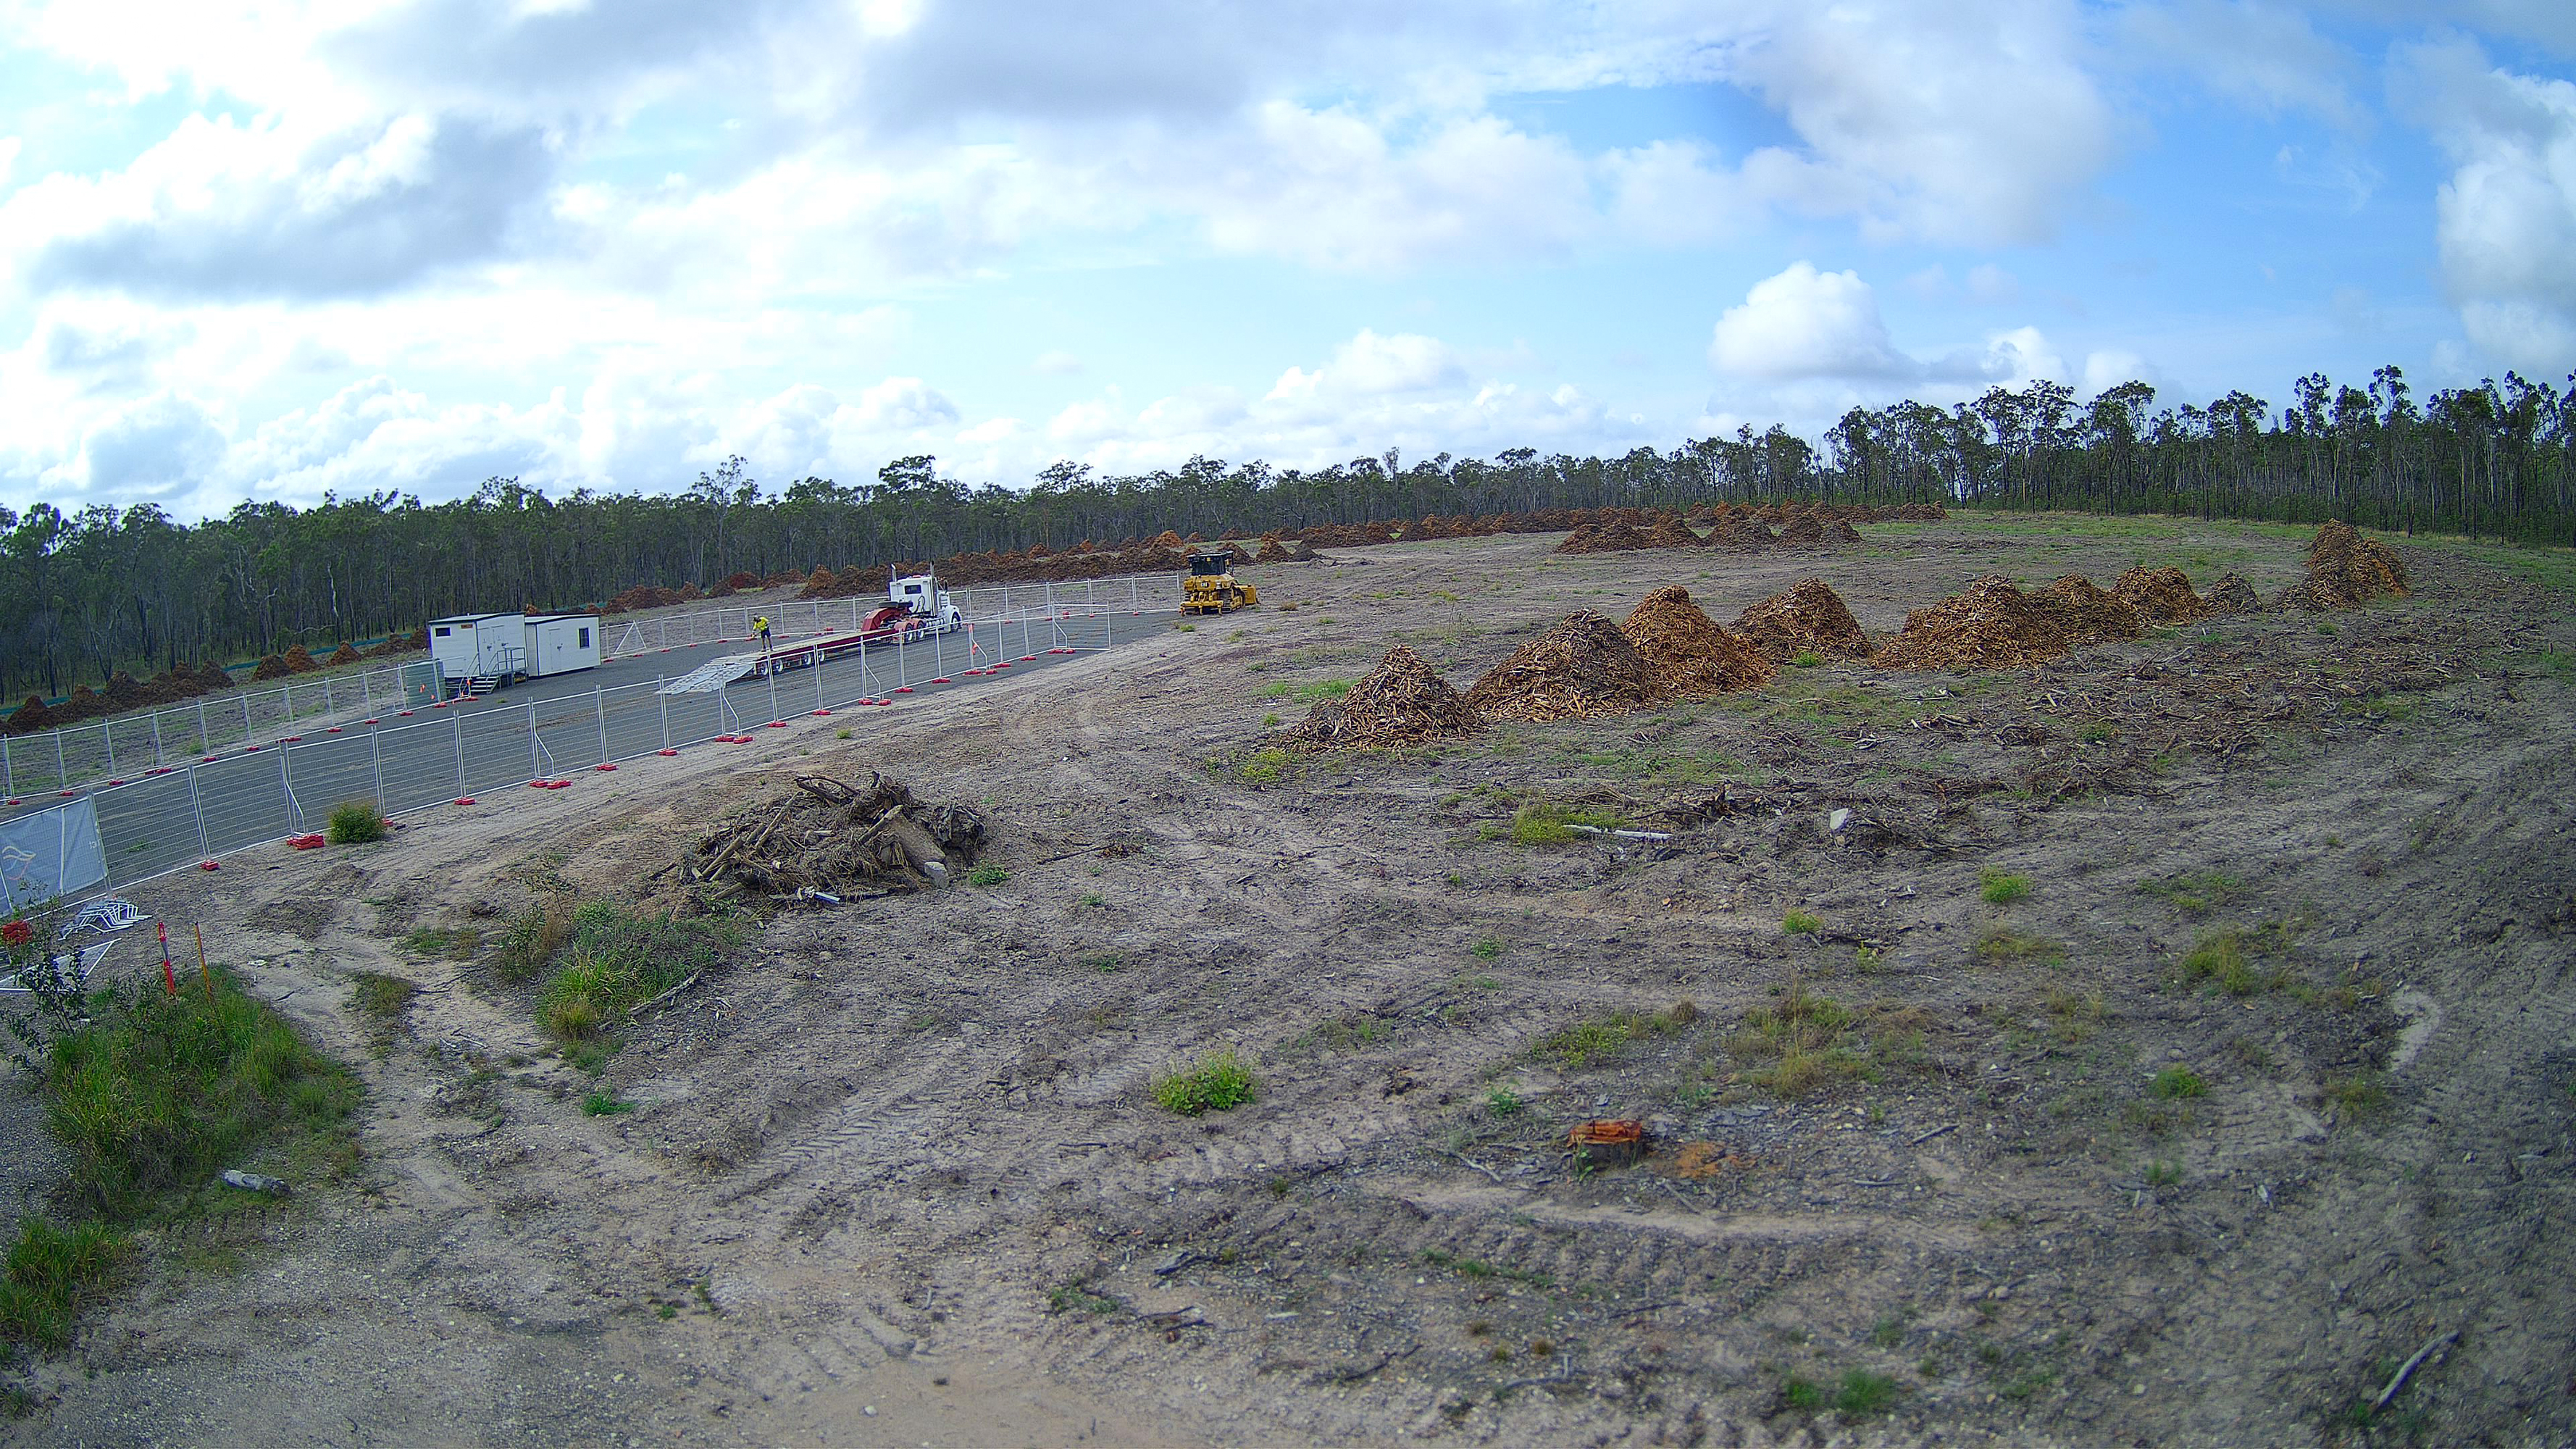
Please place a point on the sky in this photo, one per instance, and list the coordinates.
(273, 249)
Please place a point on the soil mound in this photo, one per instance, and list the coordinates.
(272, 667)
(2232, 595)
(2161, 596)
(30, 716)
(838, 840)
(1808, 619)
(1743, 533)
(1401, 702)
(1801, 530)
(1840, 535)
(345, 654)
(1670, 532)
(301, 661)
(2085, 613)
(1921, 512)
(1582, 668)
(2346, 570)
(1696, 654)
(1988, 625)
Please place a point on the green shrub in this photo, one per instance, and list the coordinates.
(1486, 948)
(1503, 1102)
(355, 822)
(987, 874)
(1217, 1082)
(604, 1104)
(1803, 1394)
(1999, 886)
(159, 1092)
(1806, 659)
(1801, 923)
(50, 1271)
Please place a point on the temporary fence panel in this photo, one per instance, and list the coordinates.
(51, 853)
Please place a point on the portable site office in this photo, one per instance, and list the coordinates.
(487, 651)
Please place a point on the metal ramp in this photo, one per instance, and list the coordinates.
(713, 675)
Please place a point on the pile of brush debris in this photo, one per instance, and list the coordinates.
(830, 841)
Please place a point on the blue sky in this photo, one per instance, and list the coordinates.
(272, 249)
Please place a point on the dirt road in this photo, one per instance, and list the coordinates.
(2259, 1081)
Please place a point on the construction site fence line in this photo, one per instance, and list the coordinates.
(182, 817)
(50, 761)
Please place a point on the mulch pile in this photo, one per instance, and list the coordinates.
(345, 654)
(1696, 654)
(830, 838)
(2346, 570)
(2085, 613)
(1742, 533)
(2232, 595)
(1401, 702)
(1582, 668)
(1802, 529)
(2161, 596)
(1808, 619)
(1988, 625)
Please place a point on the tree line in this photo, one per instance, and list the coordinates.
(84, 594)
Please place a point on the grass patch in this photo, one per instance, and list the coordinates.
(1078, 1297)
(2220, 959)
(1803, 1040)
(1487, 948)
(458, 943)
(1601, 1038)
(2193, 892)
(1543, 822)
(159, 1093)
(2001, 945)
(355, 822)
(1804, 1394)
(1107, 963)
(609, 960)
(1801, 923)
(1266, 766)
(1805, 659)
(380, 997)
(1217, 1082)
(2356, 1094)
(2177, 1082)
(1504, 1102)
(1999, 887)
(1320, 689)
(51, 1271)
(1479, 1268)
(604, 1104)
(987, 874)
(1667, 767)
(1864, 1395)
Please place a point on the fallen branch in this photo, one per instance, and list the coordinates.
(1622, 834)
(1922, 1138)
(2407, 1369)
(639, 1010)
(1471, 1162)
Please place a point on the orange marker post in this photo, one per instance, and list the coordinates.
(169, 977)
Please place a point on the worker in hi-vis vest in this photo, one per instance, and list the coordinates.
(760, 626)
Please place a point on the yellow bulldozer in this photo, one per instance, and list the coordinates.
(1212, 587)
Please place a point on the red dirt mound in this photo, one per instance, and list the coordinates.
(1582, 668)
(2085, 613)
(1401, 702)
(2345, 570)
(2232, 595)
(2161, 596)
(1808, 619)
(30, 716)
(1921, 512)
(345, 654)
(272, 667)
(1697, 656)
(1989, 625)
(1801, 530)
(300, 661)
(1840, 535)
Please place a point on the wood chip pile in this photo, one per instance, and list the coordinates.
(2346, 570)
(1401, 702)
(830, 838)
(1581, 669)
(1988, 625)
(2232, 595)
(1807, 619)
(2161, 596)
(2086, 613)
(1696, 654)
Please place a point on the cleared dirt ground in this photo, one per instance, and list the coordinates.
(896, 1178)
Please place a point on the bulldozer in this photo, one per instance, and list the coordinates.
(1212, 587)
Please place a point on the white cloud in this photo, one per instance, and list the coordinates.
(1056, 364)
(2265, 57)
(1806, 323)
(2506, 219)
(1369, 366)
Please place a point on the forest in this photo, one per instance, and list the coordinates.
(102, 590)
